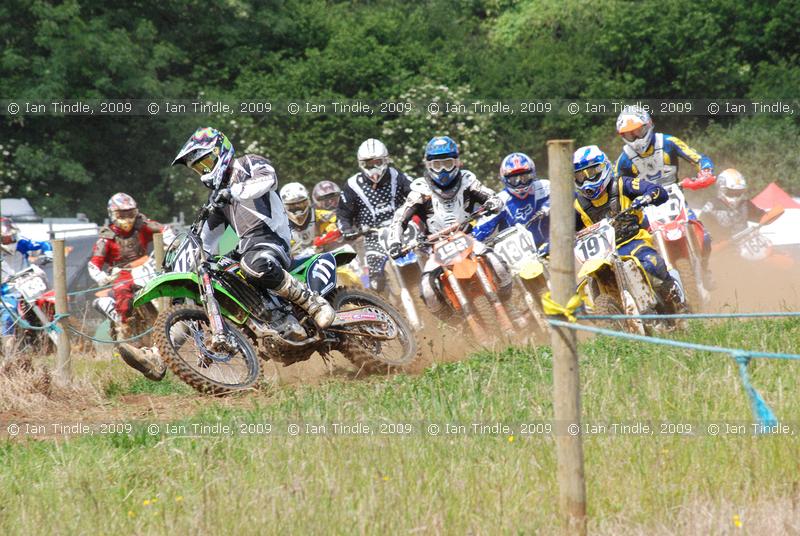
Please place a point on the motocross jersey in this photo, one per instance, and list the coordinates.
(319, 222)
(516, 210)
(437, 212)
(659, 164)
(733, 219)
(114, 247)
(255, 208)
(16, 257)
(617, 197)
(365, 204)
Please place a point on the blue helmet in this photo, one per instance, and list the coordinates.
(593, 171)
(442, 165)
(518, 173)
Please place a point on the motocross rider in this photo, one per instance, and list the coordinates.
(246, 197)
(124, 240)
(526, 200)
(326, 195)
(305, 221)
(601, 194)
(447, 196)
(15, 257)
(731, 209)
(369, 200)
(654, 157)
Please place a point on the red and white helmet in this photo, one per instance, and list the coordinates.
(732, 187)
(122, 211)
(10, 231)
(635, 126)
(373, 159)
(326, 195)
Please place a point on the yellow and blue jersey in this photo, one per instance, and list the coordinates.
(659, 163)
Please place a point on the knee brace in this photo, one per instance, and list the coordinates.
(263, 268)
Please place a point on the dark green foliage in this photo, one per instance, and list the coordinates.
(290, 50)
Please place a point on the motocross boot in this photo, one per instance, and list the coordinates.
(145, 360)
(311, 302)
(672, 295)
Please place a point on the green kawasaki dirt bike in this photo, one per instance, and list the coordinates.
(219, 324)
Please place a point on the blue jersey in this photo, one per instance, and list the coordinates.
(659, 163)
(16, 258)
(518, 210)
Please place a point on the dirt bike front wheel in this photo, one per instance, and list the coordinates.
(182, 334)
(375, 354)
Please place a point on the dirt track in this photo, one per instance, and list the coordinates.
(741, 287)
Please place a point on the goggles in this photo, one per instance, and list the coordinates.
(732, 193)
(373, 163)
(328, 202)
(521, 179)
(589, 174)
(635, 134)
(205, 164)
(444, 164)
(298, 207)
(127, 214)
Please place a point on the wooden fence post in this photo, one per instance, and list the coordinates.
(63, 359)
(566, 379)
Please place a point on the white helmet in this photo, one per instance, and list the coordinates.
(298, 205)
(635, 126)
(373, 159)
(731, 186)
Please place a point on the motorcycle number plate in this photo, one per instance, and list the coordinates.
(515, 247)
(31, 288)
(598, 243)
(447, 252)
(756, 248)
(144, 273)
(669, 211)
(182, 257)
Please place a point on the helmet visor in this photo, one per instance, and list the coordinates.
(443, 164)
(205, 164)
(635, 134)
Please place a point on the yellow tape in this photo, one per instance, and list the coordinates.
(552, 308)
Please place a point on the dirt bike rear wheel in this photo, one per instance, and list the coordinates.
(370, 355)
(188, 360)
(689, 281)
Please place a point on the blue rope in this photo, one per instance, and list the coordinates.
(24, 324)
(761, 410)
(109, 341)
(689, 316)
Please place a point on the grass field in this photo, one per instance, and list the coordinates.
(419, 483)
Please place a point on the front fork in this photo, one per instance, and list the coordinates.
(466, 306)
(218, 337)
(405, 298)
(488, 289)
